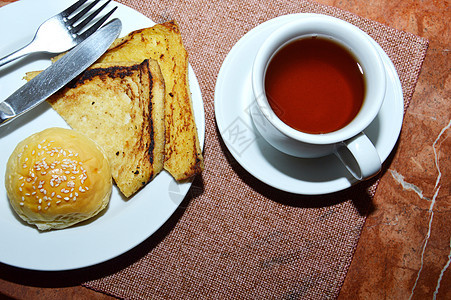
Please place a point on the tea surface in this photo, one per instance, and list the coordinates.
(314, 85)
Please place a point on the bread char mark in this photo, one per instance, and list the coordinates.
(149, 129)
(151, 125)
(112, 72)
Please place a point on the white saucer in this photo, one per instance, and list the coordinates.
(233, 97)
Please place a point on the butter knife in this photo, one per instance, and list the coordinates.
(59, 73)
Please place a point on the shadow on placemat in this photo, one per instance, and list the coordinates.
(360, 194)
(68, 278)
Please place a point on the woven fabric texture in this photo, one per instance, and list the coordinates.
(233, 236)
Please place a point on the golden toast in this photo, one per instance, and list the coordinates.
(121, 107)
(163, 42)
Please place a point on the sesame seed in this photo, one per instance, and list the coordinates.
(40, 201)
(66, 198)
(58, 202)
(39, 207)
(48, 203)
(23, 198)
(21, 204)
(58, 196)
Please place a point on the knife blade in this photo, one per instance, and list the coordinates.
(59, 73)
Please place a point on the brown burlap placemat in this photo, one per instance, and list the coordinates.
(235, 237)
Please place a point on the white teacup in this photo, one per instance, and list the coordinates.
(349, 143)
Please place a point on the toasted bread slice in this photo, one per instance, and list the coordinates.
(163, 42)
(121, 107)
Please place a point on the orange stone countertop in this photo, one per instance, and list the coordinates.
(405, 248)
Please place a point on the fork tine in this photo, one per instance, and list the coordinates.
(75, 18)
(65, 13)
(95, 26)
(90, 17)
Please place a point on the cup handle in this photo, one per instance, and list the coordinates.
(359, 156)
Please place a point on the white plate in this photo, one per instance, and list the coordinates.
(233, 97)
(125, 223)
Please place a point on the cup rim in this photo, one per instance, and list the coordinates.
(317, 24)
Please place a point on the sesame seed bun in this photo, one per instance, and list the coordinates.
(56, 178)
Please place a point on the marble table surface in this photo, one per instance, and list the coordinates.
(405, 248)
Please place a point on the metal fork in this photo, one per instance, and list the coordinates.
(60, 33)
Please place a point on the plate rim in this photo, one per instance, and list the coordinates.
(167, 209)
